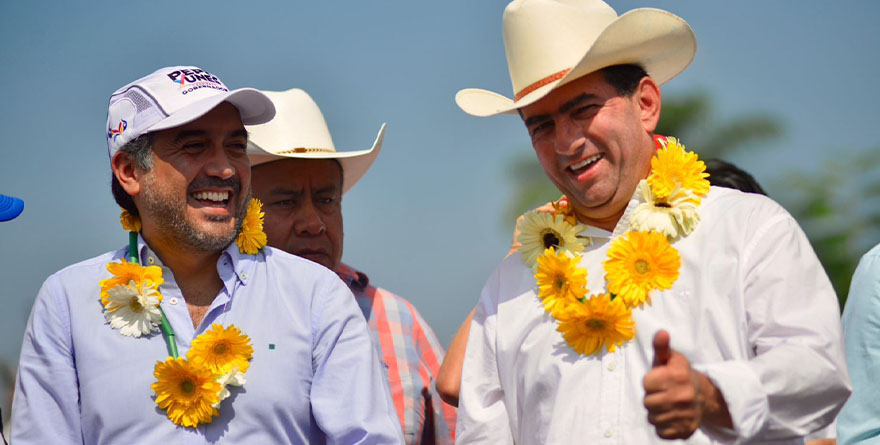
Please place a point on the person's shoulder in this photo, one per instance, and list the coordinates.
(277, 258)
(872, 254)
(296, 275)
(725, 207)
(724, 200)
(94, 266)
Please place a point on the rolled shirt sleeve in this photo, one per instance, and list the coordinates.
(797, 380)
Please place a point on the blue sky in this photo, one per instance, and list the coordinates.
(425, 222)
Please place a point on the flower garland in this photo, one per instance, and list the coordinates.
(189, 389)
(638, 263)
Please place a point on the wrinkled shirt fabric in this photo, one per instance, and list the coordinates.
(314, 376)
(752, 309)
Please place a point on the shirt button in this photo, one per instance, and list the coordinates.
(173, 300)
(243, 276)
(612, 366)
(151, 260)
(609, 432)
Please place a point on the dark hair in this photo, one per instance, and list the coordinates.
(624, 78)
(140, 150)
(725, 174)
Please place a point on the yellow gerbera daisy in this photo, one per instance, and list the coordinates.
(598, 321)
(221, 349)
(125, 272)
(673, 216)
(251, 238)
(186, 391)
(130, 222)
(539, 231)
(638, 263)
(673, 168)
(560, 280)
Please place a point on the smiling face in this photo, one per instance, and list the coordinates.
(594, 144)
(302, 199)
(196, 193)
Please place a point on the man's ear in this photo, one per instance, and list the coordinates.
(126, 172)
(648, 95)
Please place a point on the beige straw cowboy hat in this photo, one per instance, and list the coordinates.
(552, 42)
(300, 132)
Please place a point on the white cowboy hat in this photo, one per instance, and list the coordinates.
(299, 131)
(552, 42)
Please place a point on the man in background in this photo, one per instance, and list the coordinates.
(300, 178)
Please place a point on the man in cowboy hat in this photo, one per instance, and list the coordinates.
(745, 346)
(100, 361)
(300, 178)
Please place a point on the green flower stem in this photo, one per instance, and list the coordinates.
(168, 334)
(164, 326)
(132, 247)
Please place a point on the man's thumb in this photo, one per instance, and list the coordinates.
(662, 351)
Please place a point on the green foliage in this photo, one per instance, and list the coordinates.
(839, 210)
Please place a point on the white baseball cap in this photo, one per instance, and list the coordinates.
(173, 96)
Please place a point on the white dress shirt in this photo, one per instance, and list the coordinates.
(752, 309)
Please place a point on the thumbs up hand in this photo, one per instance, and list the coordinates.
(679, 398)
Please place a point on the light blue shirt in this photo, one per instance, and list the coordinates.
(314, 376)
(859, 421)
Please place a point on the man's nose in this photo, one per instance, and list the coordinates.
(219, 165)
(308, 221)
(569, 137)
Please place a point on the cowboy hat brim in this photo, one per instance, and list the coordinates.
(354, 163)
(660, 42)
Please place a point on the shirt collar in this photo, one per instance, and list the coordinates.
(351, 277)
(622, 225)
(231, 265)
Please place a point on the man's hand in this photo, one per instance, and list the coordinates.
(677, 397)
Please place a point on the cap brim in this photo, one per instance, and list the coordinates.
(661, 42)
(253, 106)
(354, 163)
(10, 207)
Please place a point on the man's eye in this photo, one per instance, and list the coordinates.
(238, 147)
(326, 201)
(585, 111)
(193, 146)
(541, 129)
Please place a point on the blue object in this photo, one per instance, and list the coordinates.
(10, 207)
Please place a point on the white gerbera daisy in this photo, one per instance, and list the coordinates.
(673, 216)
(539, 231)
(133, 308)
(232, 378)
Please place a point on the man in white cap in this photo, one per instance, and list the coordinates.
(195, 332)
(300, 177)
(665, 308)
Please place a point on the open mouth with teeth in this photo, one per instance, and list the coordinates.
(211, 199)
(580, 167)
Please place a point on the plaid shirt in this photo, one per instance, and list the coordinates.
(411, 356)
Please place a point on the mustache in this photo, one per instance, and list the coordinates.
(211, 182)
